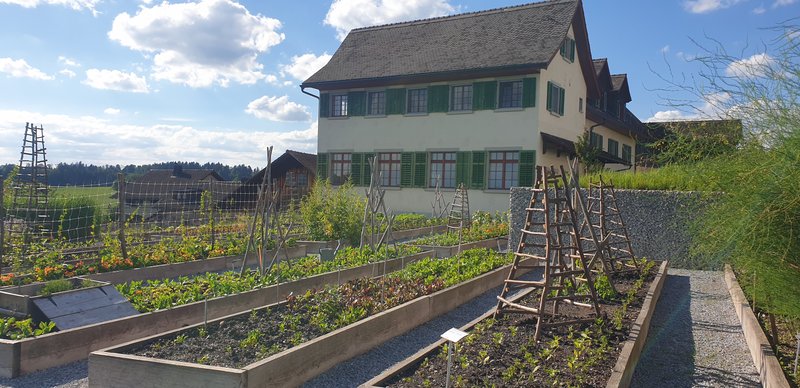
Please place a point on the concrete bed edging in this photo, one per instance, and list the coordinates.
(627, 358)
(764, 359)
(495, 243)
(293, 366)
(18, 357)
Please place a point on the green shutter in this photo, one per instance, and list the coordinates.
(420, 168)
(549, 96)
(528, 92)
(406, 169)
(356, 103)
(463, 164)
(484, 95)
(395, 101)
(366, 174)
(324, 104)
(563, 101)
(322, 166)
(438, 98)
(478, 170)
(527, 168)
(356, 162)
(572, 50)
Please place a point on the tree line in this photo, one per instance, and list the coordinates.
(80, 174)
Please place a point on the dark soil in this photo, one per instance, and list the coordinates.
(502, 352)
(786, 348)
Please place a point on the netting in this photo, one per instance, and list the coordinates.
(166, 221)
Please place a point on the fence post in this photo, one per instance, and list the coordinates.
(2, 222)
(121, 216)
(211, 207)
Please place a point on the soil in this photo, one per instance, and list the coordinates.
(502, 352)
(786, 347)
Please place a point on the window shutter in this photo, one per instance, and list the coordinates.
(438, 98)
(395, 101)
(355, 167)
(356, 103)
(561, 106)
(549, 96)
(463, 163)
(366, 174)
(406, 169)
(572, 50)
(324, 104)
(527, 168)
(478, 170)
(484, 95)
(322, 166)
(528, 92)
(420, 168)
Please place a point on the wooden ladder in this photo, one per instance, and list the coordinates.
(550, 236)
(604, 211)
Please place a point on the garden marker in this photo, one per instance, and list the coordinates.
(452, 336)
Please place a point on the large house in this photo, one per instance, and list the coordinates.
(478, 98)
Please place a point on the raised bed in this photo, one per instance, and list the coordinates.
(110, 367)
(621, 374)
(767, 364)
(497, 243)
(46, 351)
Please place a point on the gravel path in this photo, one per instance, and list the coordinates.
(74, 375)
(695, 336)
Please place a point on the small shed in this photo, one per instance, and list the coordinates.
(293, 173)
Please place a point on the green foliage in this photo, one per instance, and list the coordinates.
(53, 286)
(603, 287)
(484, 226)
(332, 213)
(691, 142)
(588, 156)
(691, 177)
(11, 328)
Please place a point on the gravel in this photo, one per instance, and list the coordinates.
(695, 336)
(74, 375)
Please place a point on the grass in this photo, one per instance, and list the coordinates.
(101, 196)
(694, 177)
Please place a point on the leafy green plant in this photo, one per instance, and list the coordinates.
(54, 286)
(330, 213)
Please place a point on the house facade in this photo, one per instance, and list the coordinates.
(479, 98)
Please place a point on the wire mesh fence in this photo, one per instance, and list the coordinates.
(127, 223)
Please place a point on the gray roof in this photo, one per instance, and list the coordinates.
(521, 37)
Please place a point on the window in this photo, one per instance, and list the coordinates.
(626, 153)
(510, 95)
(503, 169)
(613, 147)
(389, 163)
(596, 141)
(580, 104)
(340, 168)
(418, 101)
(339, 107)
(376, 103)
(461, 98)
(443, 167)
(555, 99)
(568, 49)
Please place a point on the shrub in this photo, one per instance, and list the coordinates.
(332, 213)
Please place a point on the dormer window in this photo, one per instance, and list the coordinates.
(568, 49)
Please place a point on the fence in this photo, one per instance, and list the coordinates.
(127, 220)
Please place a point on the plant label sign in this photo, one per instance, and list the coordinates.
(454, 335)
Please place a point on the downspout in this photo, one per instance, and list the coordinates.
(303, 90)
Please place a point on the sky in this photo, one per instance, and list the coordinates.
(142, 81)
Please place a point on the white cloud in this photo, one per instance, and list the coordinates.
(68, 61)
(278, 109)
(706, 6)
(100, 141)
(782, 3)
(304, 66)
(76, 5)
(755, 66)
(665, 49)
(345, 15)
(759, 10)
(668, 115)
(199, 44)
(67, 73)
(714, 106)
(111, 111)
(19, 68)
(685, 57)
(116, 80)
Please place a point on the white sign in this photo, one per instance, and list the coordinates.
(454, 335)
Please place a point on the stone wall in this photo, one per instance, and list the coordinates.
(657, 222)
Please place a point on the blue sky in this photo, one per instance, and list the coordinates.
(117, 82)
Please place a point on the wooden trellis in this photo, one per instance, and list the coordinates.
(438, 205)
(378, 221)
(29, 187)
(458, 216)
(550, 237)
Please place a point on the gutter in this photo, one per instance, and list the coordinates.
(303, 90)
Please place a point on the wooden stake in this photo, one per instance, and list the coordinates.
(121, 222)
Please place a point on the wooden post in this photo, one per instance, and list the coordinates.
(121, 216)
(211, 206)
(2, 222)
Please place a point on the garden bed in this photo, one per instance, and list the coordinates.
(501, 352)
(128, 364)
(497, 243)
(23, 356)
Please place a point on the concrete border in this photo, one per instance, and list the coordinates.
(59, 348)
(292, 367)
(764, 359)
(632, 349)
(495, 243)
(626, 358)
